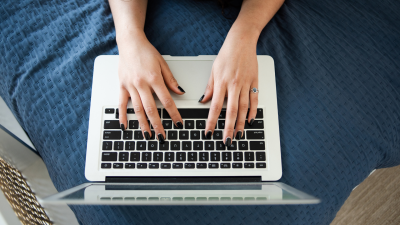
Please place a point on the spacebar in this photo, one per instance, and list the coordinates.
(190, 113)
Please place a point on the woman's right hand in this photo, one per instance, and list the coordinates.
(143, 71)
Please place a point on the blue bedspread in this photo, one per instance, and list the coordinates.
(338, 81)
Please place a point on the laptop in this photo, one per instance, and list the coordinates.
(187, 169)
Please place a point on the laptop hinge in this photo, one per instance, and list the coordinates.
(182, 179)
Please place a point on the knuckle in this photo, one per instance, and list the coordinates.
(172, 80)
(231, 111)
(138, 109)
(153, 77)
(243, 106)
(157, 126)
(215, 108)
(150, 110)
(168, 103)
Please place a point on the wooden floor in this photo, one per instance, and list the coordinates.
(375, 201)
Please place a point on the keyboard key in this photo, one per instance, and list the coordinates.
(164, 146)
(209, 145)
(165, 165)
(169, 156)
(123, 156)
(226, 156)
(257, 145)
(232, 146)
(127, 134)
(167, 124)
(220, 145)
(106, 165)
(203, 135)
(107, 145)
(129, 145)
(201, 165)
(118, 165)
(260, 156)
(175, 145)
(153, 135)
(117, 114)
(152, 145)
(181, 156)
(157, 156)
(146, 156)
(141, 145)
(195, 135)
(248, 165)
(225, 165)
(200, 124)
(213, 165)
(249, 156)
(255, 134)
(238, 156)
(189, 166)
(243, 136)
(186, 145)
(129, 165)
(243, 145)
(112, 124)
(189, 124)
(109, 156)
(203, 156)
(197, 145)
(221, 124)
(184, 134)
(190, 113)
(154, 165)
(261, 165)
(259, 113)
(215, 156)
(237, 165)
(135, 156)
(142, 165)
(172, 135)
(177, 165)
(257, 124)
(109, 111)
(138, 135)
(217, 135)
(222, 115)
(192, 156)
(118, 145)
(130, 111)
(112, 135)
(133, 124)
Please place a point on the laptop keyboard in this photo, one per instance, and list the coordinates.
(186, 148)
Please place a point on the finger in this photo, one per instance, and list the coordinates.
(169, 79)
(243, 107)
(215, 109)
(139, 112)
(150, 107)
(168, 103)
(123, 102)
(253, 103)
(231, 115)
(209, 90)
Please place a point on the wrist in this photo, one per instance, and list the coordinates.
(130, 36)
(243, 34)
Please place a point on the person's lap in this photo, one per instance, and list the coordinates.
(337, 86)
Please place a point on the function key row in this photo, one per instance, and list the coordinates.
(181, 165)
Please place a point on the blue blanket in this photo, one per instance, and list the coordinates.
(338, 81)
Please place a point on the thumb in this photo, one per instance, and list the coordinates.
(169, 79)
(209, 90)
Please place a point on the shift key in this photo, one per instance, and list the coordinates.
(255, 134)
(112, 135)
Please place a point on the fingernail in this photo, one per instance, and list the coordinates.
(228, 141)
(147, 135)
(122, 126)
(251, 122)
(161, 138)
(239, 135)
(179, 125)
(179, 87)
(208, 135)
(201, 99)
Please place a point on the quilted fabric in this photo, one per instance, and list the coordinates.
(337, 73)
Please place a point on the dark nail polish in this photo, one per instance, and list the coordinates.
(179, 87)
(201, 99)
(122, 126)
(228, 141)
(179, 125)
(239, 135)
(147, 135)
(251, 122)
(208, 135)
(161, 138)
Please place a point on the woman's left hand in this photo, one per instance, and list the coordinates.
(234, 74)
